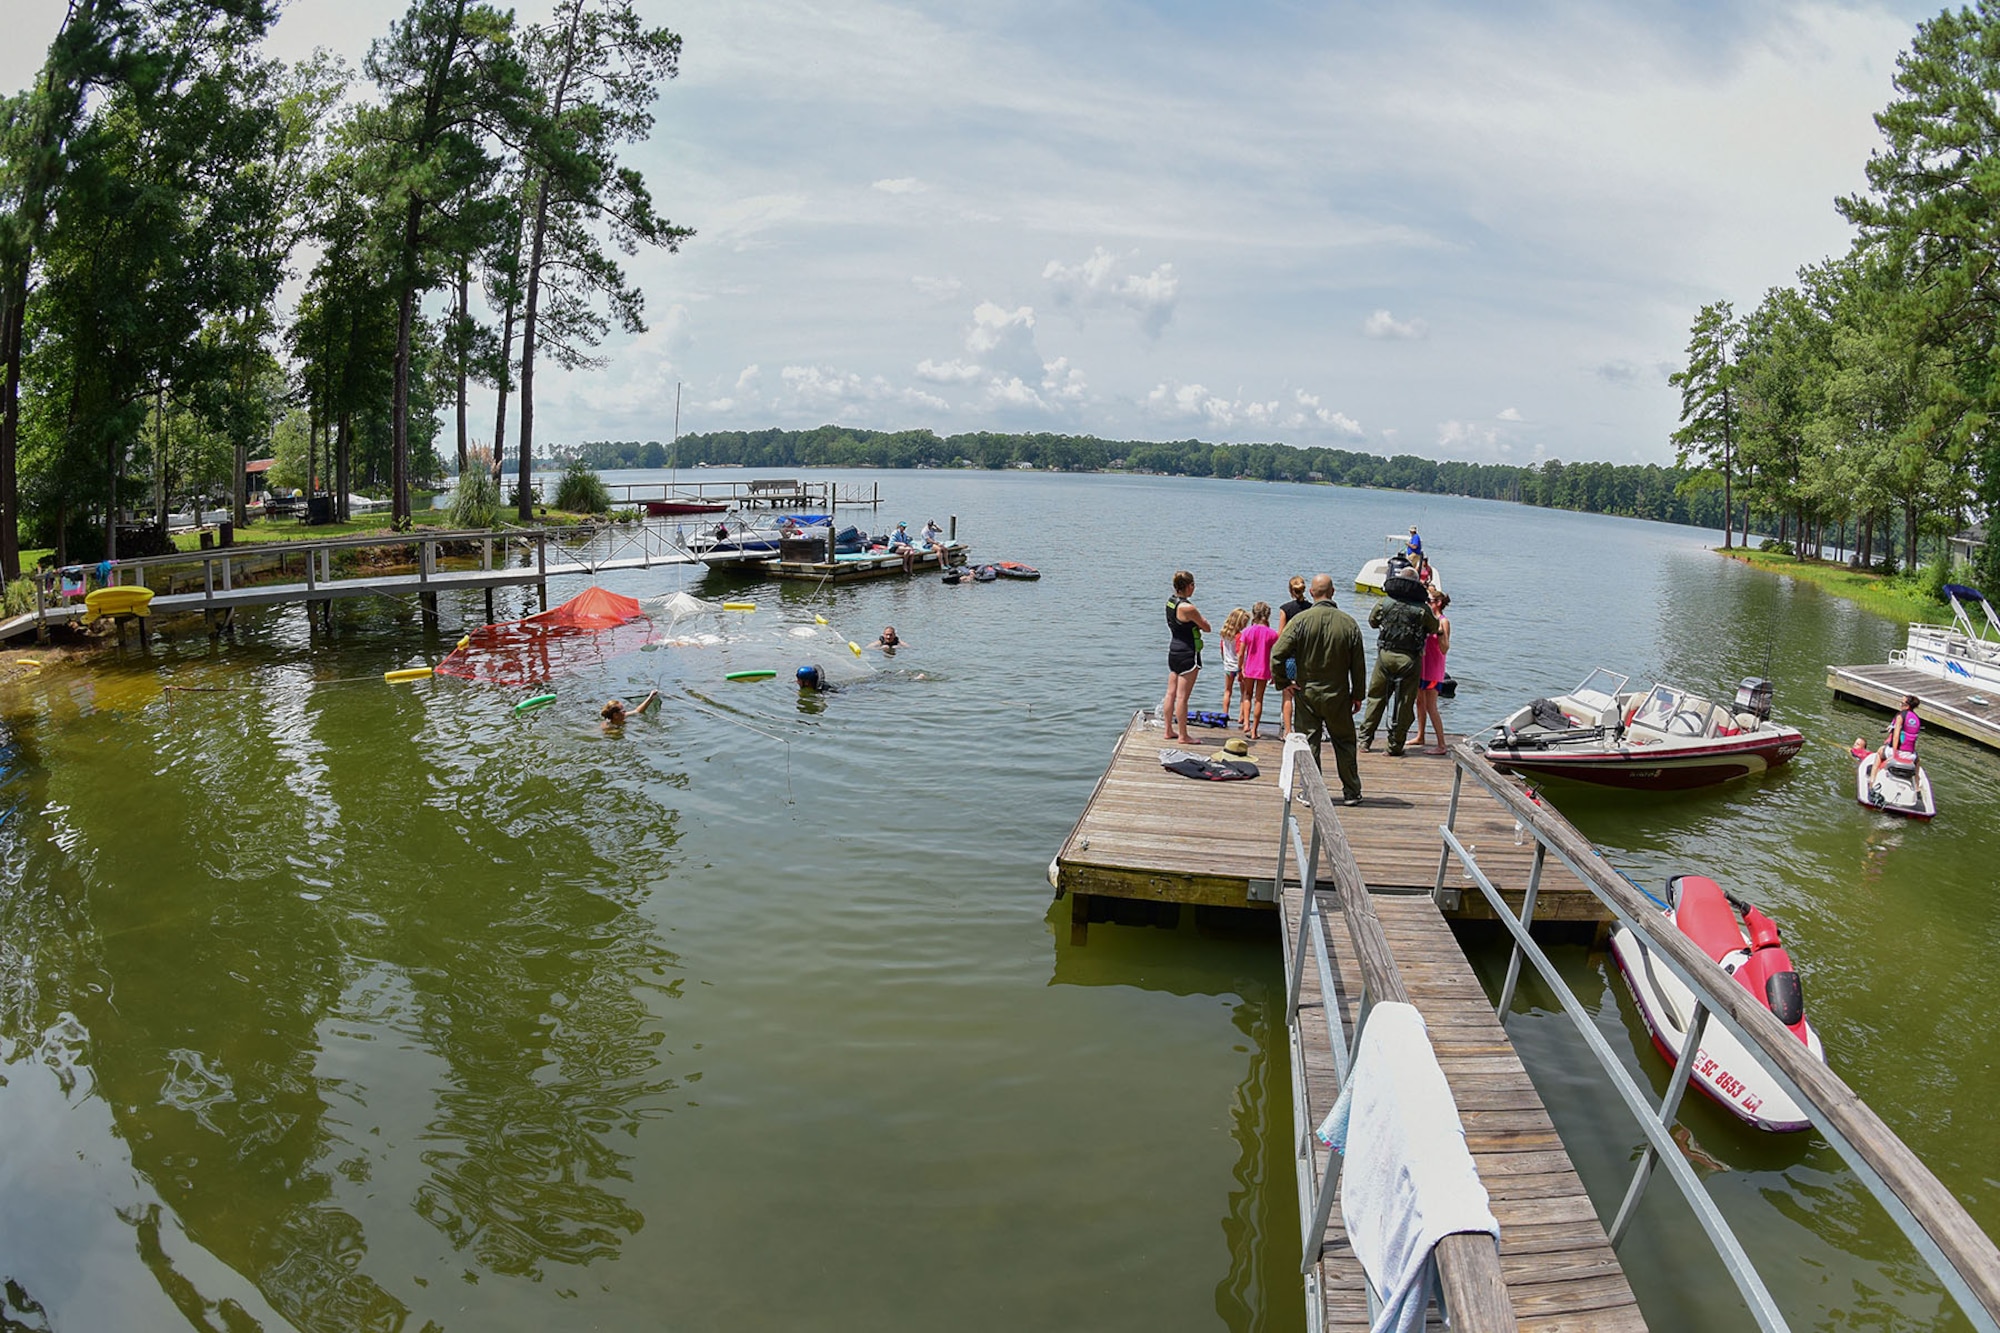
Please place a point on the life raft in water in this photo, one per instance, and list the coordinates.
(1014, 569)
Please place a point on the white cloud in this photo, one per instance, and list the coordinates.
(820, 386)
(1510, 414)
(748, 379)
(948, 372)
(899, 185)
(1470, 441)
(995, 327)
(1096, 283)
(1011, 392)
(1382, 324)
(1304, 415)
(1064, 382)
(1311, 412)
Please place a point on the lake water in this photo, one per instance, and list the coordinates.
(331, 1005)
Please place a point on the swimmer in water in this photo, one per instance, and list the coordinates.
(888, 642)
(614, 712)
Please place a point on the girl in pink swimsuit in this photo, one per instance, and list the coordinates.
(1253, 648)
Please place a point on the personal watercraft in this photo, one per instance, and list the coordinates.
(1751, 951)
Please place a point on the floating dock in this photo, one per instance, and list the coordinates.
(1152, 835)
(850, 568)
(1963, 709)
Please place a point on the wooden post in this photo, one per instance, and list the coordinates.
(1079, 918)
(429, 601)
(41, 612)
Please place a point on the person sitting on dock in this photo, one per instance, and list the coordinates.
(901, 543)
(614, 712)
(934, 537)
(888, 643)
(1324, 667)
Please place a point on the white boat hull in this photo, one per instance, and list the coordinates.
(1879, 787)
(1948, 661)
(1722, 1068)
(1369, 580)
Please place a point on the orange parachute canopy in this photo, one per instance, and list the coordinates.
(590, 627)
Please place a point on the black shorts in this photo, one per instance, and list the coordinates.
(1182, 659)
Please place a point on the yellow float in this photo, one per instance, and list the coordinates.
(739, 606)
(120, 601)
(407, 673)
(854, 647)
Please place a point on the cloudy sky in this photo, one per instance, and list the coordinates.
(1455, 230)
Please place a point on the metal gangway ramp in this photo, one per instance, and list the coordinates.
(1556, 1264)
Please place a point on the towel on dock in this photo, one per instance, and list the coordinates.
(1214, 770)
(1409, 1181)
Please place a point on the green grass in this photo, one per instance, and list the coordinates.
(1898, 596)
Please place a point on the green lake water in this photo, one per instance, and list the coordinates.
(329, 1004)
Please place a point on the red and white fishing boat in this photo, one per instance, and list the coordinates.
(676, 506)
(1661, 739)
(1749, 950)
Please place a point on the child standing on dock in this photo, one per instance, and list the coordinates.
(1231, 662)
(1254, 645)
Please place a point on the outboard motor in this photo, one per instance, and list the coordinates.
(1753, 696)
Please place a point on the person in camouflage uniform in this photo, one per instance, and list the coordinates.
(1319, 657)
(1399, 648)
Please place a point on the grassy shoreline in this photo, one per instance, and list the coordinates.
(1899, 597)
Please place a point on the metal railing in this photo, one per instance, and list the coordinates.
(1962, 1256)
(1471, 1289)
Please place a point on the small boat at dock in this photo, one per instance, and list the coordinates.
(1895, 784)
(673, 507)
(1376, 573)
(1964, 651)
(1751, 951)
(1662, 739)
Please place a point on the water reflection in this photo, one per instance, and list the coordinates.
(1235, 954)
(206, 946)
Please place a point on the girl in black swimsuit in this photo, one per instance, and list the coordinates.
(1184, 626)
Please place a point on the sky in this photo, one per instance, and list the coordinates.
(1455, 230)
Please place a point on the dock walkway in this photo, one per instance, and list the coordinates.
(1154, 836)
(1558, 1265)
(1962, 708)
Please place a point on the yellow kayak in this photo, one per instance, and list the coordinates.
(120, 601)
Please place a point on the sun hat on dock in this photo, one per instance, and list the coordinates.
(1233, 748)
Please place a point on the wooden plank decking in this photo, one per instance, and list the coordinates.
(1967, 710)
(1560, 1269)
(1153, 835)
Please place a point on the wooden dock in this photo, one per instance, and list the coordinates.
(1964, 709)
(1154, 836)
(208, 581)
(1555, 1259)
(851, 568)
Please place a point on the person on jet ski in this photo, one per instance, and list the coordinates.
(1901, 743)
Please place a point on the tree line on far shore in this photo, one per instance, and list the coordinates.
(456, 213)
(1626, 489)
(1864, 397)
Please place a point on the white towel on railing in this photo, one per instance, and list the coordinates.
(1408, 1181)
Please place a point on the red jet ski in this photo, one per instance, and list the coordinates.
(1749, 950)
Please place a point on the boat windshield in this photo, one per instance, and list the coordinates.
(1599, 689)
(1658, 707)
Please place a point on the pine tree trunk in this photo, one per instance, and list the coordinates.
(505, 387)
(399, 409)
(343, 465)
(525, 510)
(464, 278)
(13, 313)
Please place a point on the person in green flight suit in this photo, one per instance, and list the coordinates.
(1403, 622)
(1319, 657)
